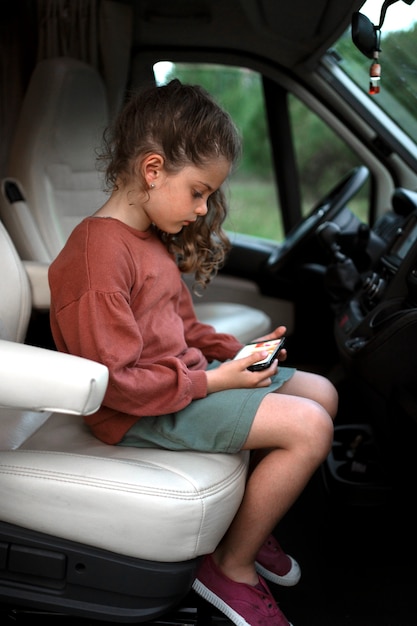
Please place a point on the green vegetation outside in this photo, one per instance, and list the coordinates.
(253, 209)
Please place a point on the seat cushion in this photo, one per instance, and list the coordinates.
(244, 322)
(146, 503)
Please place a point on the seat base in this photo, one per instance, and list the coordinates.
(192, 611)
(74, 579)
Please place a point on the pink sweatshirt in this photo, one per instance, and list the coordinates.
(117, 297)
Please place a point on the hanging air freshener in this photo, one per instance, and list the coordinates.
(375, 75)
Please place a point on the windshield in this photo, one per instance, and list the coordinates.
(397, 58)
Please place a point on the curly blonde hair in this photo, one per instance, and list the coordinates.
(185, 125)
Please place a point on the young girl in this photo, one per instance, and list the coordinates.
(118, 297)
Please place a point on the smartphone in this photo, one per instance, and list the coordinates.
(272, 346)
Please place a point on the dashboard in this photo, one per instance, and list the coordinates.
(377, 325)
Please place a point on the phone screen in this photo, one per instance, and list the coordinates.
(272, 346)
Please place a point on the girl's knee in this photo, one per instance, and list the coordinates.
(313, 387)
(326, 395)
(321, 430)
(310, 430)
(313, 435)
(331, 402)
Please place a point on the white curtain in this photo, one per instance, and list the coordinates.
(16, 62)
(98, 32)
(68, 28)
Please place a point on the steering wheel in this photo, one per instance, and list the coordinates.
(326, 209)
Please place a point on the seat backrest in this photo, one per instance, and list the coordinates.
(53, 155)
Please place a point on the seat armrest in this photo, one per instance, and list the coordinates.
(19, 221)
(38, 279)
(38, 379)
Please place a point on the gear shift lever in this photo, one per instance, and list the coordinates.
(328, 234)
(342, 277)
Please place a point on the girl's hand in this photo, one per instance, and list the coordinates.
(235, 374)
(276, 334)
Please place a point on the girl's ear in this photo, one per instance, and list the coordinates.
(152, 167)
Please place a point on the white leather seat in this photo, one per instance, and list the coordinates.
(53, 182)
(86, 528)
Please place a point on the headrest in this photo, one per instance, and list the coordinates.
(53, 153)
(63, 115)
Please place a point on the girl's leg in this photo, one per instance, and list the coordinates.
(314, 387)
(298, 431)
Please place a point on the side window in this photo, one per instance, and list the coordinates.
(253, 200)
(323, 159)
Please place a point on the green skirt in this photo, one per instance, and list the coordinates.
(220, 422)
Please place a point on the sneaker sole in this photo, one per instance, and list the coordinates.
(220, 604)
(289, 580)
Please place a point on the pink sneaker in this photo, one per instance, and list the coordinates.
(243, 604)
(274, 565)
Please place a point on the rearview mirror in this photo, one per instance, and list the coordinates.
(364, 35)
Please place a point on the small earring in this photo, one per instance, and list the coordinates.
(152, 186)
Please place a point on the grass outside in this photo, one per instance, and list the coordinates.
(254, 209)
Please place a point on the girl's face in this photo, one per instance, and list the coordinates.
(178, 199)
